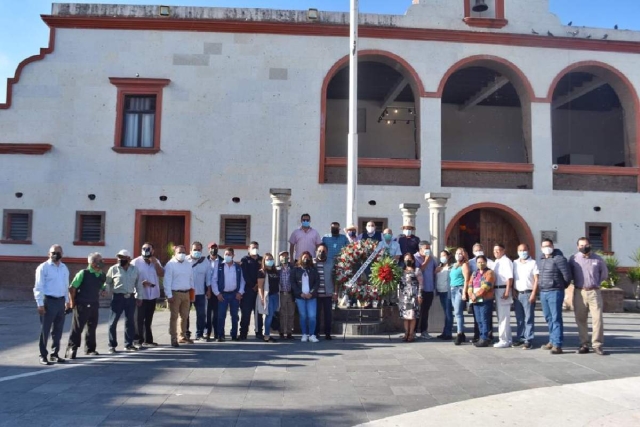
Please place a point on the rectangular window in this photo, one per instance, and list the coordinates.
(381, 224)
(599, 234)
(235, 230)
(16, 226)
(139, 121)
(89, 229)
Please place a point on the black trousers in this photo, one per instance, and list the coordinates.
(248, 306)
(52, 322)
(427, 300)
(324, 307)
(144, 319)
(212, 317)
(476, 329)
(84, 314)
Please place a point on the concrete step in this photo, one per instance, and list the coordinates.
(365, 328)
(354, 315)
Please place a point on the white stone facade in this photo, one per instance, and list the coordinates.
(242, 115)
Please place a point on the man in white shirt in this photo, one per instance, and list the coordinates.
(525, 272)
(478, 250)
(150, 270)
(503, 270)
(178, 282)
(52, 298)
(227, 283)
(201, 280)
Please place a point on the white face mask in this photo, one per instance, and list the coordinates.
(371, 230)
(547, 250)
(460, 257)
(180, 257)
(478, 253)
(407, 232)
(254, 251)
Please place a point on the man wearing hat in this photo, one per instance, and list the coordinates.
(123, 282)
(212, 302)
(352, 233)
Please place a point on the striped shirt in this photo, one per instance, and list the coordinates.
(322, 289)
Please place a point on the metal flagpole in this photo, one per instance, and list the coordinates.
(352, 147)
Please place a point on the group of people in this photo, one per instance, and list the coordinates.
(486, 284)
(260, 286)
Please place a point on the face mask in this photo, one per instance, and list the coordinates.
(335, 231)
(306, 223)
(253, 251)
(180, 257)
(459, 257)
(213, 252)
(269, 263)
(443, 260)
(56, 256)
(523, 254)
(146, 253)
(123, 262)
(407, 232)
(352, 233)
(387, 237)
(228, 258)
(478, 253)
(196, 254)
(371, 230)
(100, 265)
(427, 252)
(322, 256)
(585, 249)
(482, 265)
(408, 262)
(547, 250)
(306, 261)
(284, 260)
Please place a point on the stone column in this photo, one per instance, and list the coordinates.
(542, 150)
(437, 224)
(281, 201)
(409, 213)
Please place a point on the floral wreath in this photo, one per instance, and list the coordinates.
(367, 288)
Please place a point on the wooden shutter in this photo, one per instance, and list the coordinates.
(235, 230)
(91, 228)
(18, 226)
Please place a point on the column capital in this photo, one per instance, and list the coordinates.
(410, 206)
(429, 196)
(280, 192)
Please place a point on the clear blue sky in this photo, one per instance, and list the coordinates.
(22, 32)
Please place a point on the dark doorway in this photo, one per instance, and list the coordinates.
(488, 227)
(163, 230)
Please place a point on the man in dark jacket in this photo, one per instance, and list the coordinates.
(250, 266)
(555, 276)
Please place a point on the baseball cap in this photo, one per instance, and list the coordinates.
(124, 253)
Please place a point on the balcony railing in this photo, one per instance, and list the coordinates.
(373, 171)
(487, 175)
(597, 178)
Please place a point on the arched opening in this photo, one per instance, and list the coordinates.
(486, 117)
(489, 224)
(388, 121)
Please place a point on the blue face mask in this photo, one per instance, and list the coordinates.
(228, 258)
(427, 252)
(443, 260)
(269, 263)
(196, 254)
(523, 254)
(306, 223)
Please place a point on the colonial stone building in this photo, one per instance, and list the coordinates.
(172, 124)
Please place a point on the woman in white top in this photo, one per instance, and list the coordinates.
(443, 289)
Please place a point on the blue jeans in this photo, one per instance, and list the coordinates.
(228, 300)
(201, 314)
(273, 303)
(458, 307)
(307, 311)
(120, 304)
(552, 309)
(524, 316)
(445, 302)
(482, 311)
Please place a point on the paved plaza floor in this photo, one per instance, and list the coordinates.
(332, 383)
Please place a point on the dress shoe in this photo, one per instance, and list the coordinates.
(54, 358)
(599, 351)
(71, 353)
(44, 361)
(584, 349)
(175, 344)
(547, 346)
(130, 349)
(556, 350)
(290, 337)
(220, 339)
(92, 353)
(526, 346)
(328, 337)
(236, 339)
(482, 343)
(517, 343)
(112, 350)
(282, 336)
(460, 338)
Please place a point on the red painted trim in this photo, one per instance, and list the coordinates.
(327, 30)
(341, 63)
(521, 83)
(137, 86)
(597, 170)
(510, 212)
(137, 243)
(88, 244)
(375, 163)
(34, 149)
(622, 78)
(40, 259)
(15, 242)
(486, 166)
(485, 22)
(16, 77)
